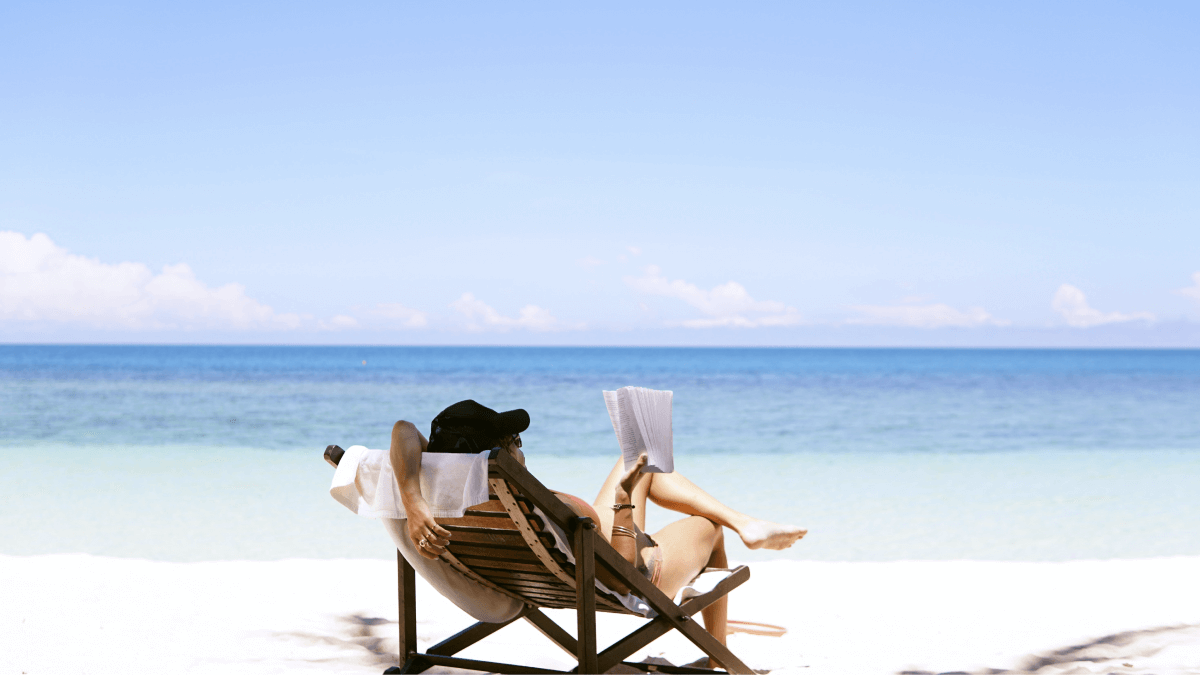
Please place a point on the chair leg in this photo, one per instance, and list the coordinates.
(585, 588)
(413, 664)
(465, 638)
(406, 586)
(553, 631)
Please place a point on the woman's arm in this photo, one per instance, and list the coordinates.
(407, 446)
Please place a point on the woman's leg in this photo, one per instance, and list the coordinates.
(675, 492)
(688, 546)
(608, 495)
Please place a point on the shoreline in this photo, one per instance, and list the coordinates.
(78, 613)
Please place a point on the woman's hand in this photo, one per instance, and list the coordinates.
(430, 538)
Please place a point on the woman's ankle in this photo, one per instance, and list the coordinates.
(739, 521)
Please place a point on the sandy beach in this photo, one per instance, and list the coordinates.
(87, 614)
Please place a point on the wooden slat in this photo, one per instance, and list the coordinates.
(497, 552)
(505, 549)
(500, 576)
(537, 593)
(572, 603)
(544, 599)
(472, 574)
(556, 605)
(570, 600)
(535, 586)
(487, 537)
(487, 528)
(478, 513)
(500, 552)
(541, 593)
(485, 522)
(479, 564)
(512, 506)
(492, 504)
(493, 520)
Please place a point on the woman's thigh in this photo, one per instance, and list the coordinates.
(686, 546)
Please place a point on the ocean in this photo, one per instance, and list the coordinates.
(214, 452)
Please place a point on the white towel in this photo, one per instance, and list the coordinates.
(703, 583)
(450, 482)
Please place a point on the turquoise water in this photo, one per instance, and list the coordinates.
(201, 453)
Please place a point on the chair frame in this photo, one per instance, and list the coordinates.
(591, 549)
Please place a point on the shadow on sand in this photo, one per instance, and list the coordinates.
(359, 633)
(1169, 649)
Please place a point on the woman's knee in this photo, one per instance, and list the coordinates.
(718, 536)
(710, 531)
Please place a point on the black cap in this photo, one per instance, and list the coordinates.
(468, 426)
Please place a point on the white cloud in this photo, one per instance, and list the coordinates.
(1072, 304)
(339, 322)
(481, 316)
(42, 282)
(1192, 291)
(728, 304)
(923, 316)
(635, 250)
(408, 317)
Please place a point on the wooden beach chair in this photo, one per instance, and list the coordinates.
(506, 546)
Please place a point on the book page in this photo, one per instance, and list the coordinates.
(652, 410)
(641, 419)
(625, 426)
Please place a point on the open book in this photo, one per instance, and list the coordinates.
(642, 419)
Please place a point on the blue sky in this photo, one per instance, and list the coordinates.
(682, 173)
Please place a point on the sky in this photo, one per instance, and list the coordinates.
(678, 173)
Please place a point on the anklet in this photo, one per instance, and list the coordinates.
(619, 531)
(618, 507)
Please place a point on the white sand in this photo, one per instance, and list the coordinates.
(82, 614)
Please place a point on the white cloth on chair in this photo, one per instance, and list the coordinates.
(450, 482)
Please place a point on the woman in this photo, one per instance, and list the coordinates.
(670, 558)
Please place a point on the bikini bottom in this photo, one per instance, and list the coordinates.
(654, 569)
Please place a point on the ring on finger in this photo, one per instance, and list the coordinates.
(423, 543)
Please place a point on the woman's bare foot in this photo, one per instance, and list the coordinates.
(757, 533)
(632, 476)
